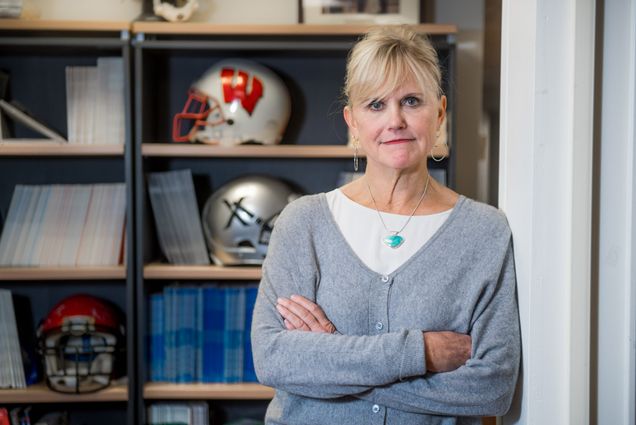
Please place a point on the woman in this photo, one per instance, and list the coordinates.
(390, 300)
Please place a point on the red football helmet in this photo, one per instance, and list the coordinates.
(81, 341)
(235, 101)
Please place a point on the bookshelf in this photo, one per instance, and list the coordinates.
(36, 147)
(198, 29)
(160, 391)
(31, 27)
(35, 54)
(62, 273)
(40, 393)
(160, 271)
(279, 151)
(161, 61)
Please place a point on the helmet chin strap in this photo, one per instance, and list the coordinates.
(173, 13)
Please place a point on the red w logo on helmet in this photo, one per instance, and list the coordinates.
(232, 92)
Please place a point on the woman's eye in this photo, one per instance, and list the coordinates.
(411, 101)
(375, 105)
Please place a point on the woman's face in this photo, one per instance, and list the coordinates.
(397, 131)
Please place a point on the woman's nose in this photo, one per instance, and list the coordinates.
(396, 118)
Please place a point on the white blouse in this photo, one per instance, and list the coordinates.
(363, 231)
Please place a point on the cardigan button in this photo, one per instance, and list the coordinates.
(375, 408)
(385, 278)
(379, 326)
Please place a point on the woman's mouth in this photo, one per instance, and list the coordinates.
(396, 141)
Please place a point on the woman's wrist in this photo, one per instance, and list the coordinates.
(445, 351)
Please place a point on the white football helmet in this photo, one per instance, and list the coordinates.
(236, 101)
(239, 217)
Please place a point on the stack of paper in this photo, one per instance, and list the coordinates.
(95, 102)
(81, 100)
(193, 413)
(103, 234)
(110, 122)
(64, 225)
(10, 8)
(177, 217)
(11, 367)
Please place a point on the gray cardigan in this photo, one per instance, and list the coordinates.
(373, 370)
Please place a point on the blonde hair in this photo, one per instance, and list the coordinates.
(386, 57)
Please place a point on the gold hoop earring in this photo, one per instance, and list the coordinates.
(437, 159)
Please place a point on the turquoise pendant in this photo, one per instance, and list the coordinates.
(393, 241)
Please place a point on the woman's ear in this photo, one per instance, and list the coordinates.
(348, 117)
(441, 111)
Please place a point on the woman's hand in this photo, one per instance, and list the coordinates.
(446, 351)
(300, 313)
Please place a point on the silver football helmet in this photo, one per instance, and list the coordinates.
(239, 217)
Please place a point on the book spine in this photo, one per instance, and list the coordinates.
(233, 335)
(186, 334)
(169, 333)
(213, 325)
(249, 374)
(157, 344)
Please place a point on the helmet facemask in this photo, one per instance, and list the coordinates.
(81, 342)
(200, 115)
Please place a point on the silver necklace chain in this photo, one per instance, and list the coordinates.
(375, 205)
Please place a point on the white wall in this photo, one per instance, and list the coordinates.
(220, 11)
(545, 188)
(247, 11)
(102, 10)
(617, 219)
